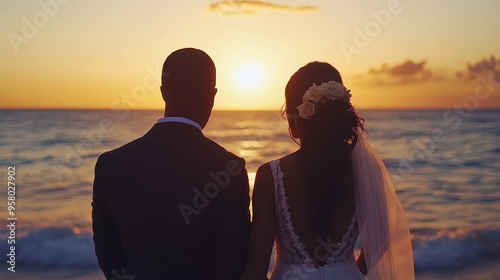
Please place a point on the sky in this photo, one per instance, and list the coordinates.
(393, 54)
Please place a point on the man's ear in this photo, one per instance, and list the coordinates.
(163, 93)
(212, 99)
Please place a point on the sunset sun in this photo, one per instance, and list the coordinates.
(249, 76)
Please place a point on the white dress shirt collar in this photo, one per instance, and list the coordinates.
(179, 120)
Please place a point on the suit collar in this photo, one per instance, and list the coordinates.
(180, 120)
(169, 128)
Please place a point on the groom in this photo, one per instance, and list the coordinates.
(173, 204)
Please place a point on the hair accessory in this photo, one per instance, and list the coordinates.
(331, 90)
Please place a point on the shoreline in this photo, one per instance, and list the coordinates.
(484, 271)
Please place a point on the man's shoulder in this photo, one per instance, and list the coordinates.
(223, 152)
(119, 152)
(211, 148)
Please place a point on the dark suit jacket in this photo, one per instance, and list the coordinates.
(171, 205)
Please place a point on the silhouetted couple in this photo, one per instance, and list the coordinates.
(175, 205)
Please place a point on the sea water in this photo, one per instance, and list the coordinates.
(445, 167)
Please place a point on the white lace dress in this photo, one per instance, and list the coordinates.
(293, 262)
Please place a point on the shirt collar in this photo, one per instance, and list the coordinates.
(179, 120)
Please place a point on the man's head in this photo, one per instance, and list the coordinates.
(188, 85)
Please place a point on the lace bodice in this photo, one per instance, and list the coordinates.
(290, 250)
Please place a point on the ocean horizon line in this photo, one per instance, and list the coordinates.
(236, 110)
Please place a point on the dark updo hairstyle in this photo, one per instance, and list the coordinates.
(334, 122)
(326, 140)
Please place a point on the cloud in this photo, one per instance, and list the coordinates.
(403, 73)
(242, 7)
(483, 67)
(408, 68)
(411, 72)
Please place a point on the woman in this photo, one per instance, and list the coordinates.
(315, 202)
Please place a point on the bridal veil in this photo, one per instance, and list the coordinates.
(385, 236)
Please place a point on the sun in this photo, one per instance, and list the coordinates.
(249, 76)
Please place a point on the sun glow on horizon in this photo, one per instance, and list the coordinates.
(249, 76)
(113, 61)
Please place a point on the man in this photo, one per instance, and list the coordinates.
(173, 204)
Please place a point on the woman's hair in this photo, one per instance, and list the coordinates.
(327, 138)
(334, 121)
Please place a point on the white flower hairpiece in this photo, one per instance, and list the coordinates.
(326, 91)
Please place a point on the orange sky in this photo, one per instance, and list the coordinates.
(393, 54)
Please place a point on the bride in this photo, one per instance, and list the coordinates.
(314, 203)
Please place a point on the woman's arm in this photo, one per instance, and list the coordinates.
(263, 226)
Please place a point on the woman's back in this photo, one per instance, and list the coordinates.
(315, 220)
(304, 247)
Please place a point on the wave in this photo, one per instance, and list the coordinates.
(495, 151)
(57, 141)
(16, 161)
(455, 248)
(53, 247)
(63, 247)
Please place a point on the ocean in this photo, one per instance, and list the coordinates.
(445, 166)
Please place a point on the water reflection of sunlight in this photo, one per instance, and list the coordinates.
(251, 144)
(247, 153)
(251, 181)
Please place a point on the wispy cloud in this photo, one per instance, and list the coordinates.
(405, 69)
(242, 7)
(403, 73)
(483, 67)
(410, 72)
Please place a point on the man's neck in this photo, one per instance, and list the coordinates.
(194, 117)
